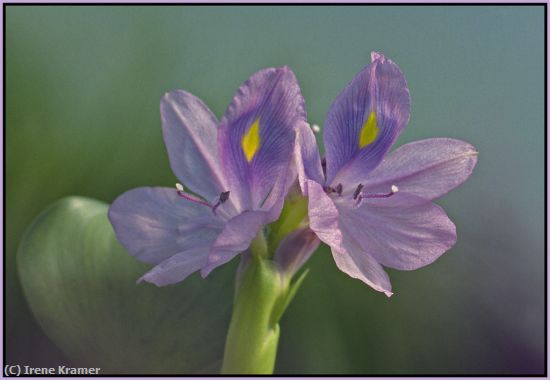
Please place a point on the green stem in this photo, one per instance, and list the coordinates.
(262, 295)
(251, 345)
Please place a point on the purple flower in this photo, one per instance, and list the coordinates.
(240, 168)
(374, 209)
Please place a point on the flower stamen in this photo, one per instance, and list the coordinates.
(357, 191)
(180, 189)
(359, 196)
(223, 197)
(394, 189)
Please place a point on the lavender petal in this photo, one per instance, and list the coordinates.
(403, 231)
(235, 238)
(275, 201)
(380, 88)
(190, 133)
(356, 263)
(177, 267)
(349, 257)
(426, 168)
(295, 249)
(272, 101)
(323, 216)
(308, 161)
(154, 223)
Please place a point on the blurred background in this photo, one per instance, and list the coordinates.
(82, 118)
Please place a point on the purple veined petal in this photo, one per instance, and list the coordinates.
(323, 216)
(426, 168)
(275, 200)
(177, 267)
(295, 249)
(324, 219)
(364, 121)
(403, 231)
(306, 155)
(154, 223)
(190, 134)
(256, 134)
(234, 239)
(358, 264)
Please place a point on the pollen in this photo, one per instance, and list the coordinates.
(251, 140)
(369, 131)
(394, 189)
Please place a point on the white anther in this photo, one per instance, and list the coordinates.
(316, 128)
(179, 187)
(394, 189)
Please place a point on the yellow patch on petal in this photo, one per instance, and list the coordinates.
(369, 131)
(251, 140)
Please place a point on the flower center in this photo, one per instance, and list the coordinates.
(224, 196)
(338, 189)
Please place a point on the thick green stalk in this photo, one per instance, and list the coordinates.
(251, 345)
(262, 294)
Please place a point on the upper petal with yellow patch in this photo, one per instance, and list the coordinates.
(257, 133)
(364, 121)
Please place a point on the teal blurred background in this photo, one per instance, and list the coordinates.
(82, 117)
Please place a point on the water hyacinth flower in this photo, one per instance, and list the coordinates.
(372, 208)
(239, 170)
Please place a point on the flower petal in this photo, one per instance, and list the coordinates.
(154, 223)
(364, 121)
(295, 249)
(234, 239)
(427, 168)
(323, 216)
(190, 134)
(308, 160)
(275, 200)
(403, 231)
(176, 268)
(324, 219)
(256, 136)
(356, 263)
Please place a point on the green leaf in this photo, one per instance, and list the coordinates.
(81, 286)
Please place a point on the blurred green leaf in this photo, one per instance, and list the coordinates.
(81, 287)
